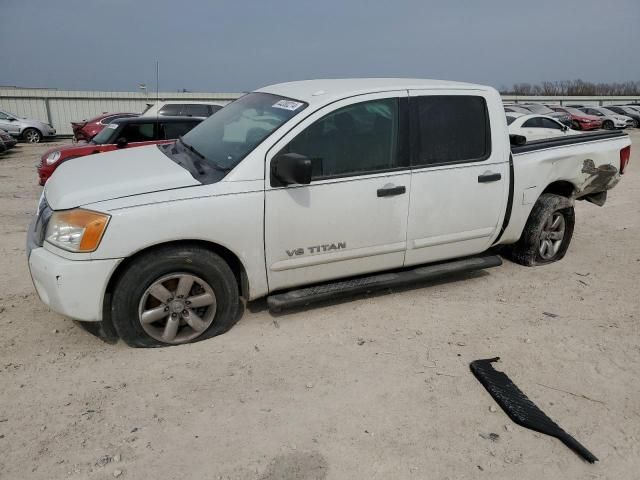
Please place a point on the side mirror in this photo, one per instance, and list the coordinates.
(564, 128)
(11, 119)
(290, 168)
(517, 140)
(121, 142)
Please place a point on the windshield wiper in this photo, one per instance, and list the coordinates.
(198, 162)
(190, 148)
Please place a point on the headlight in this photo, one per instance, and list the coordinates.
(52, 158)
(76, 230)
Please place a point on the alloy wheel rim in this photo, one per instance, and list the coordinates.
(552, 236)
(177, 308)
(32, 137)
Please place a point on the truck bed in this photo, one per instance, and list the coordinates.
(576, 166)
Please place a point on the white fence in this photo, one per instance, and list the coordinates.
(60, 107)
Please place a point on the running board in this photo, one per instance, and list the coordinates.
(346, 288)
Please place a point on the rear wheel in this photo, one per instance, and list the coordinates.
(607, 125)
(32, 135)
(547, 234)
(174, 295)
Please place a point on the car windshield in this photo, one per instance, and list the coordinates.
(606, 111)
(225, 138)
(539, 109)
(573, 111)
(105, 134)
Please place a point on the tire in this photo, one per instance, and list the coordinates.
(576, 125)
(32, 135)
(635, 124)
(549, 213)
(607, 125)
(168, 267)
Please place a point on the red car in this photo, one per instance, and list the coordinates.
(579, 119)
(87, 129)
(122, 133)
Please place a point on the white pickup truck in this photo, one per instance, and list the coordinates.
(306, 191)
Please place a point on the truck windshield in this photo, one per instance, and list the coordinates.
(225, 138)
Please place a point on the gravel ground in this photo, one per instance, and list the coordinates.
(377, 387)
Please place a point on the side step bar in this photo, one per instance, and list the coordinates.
(345, 288)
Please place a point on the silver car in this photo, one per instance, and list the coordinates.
(30, 131)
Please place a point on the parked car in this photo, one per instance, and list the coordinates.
(610, 119)
(3, 148)
(182, 108)
(540, 109)
(127, 132)
(536, 127)
(516, 109)
(8, 141)
(27, 130)
(306, 183)
(579, 119)
(87, 129)
(626, 111)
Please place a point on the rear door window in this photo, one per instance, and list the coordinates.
(535, 122)
(196, 110)
(451, 129)
(173, 130)
(138, 132)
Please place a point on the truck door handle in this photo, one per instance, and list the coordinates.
(489, 177)
(390, 191)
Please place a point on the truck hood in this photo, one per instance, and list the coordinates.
(106, 176)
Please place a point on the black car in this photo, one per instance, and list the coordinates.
(8, 141)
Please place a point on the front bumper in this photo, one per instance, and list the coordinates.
(49, 132)
(73, 288)
(590, 125)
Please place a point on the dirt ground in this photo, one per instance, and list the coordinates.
(302, 396)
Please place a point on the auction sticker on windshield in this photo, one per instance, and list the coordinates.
(287, 105)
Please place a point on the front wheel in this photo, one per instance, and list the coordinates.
(32, 135)
(607, 125)
(174, 295)
(576, 125)
(547, 233)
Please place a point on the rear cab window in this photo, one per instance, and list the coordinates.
(450, 129)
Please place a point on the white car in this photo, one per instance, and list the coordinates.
(536, 127)
(610, 119)
(291, 190)
(182, 108)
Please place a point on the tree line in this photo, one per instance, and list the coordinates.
(573, 87)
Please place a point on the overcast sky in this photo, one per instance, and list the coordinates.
(238, 45)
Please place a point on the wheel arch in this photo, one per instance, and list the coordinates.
(29, 127)
(562, 188)
(227, 255)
